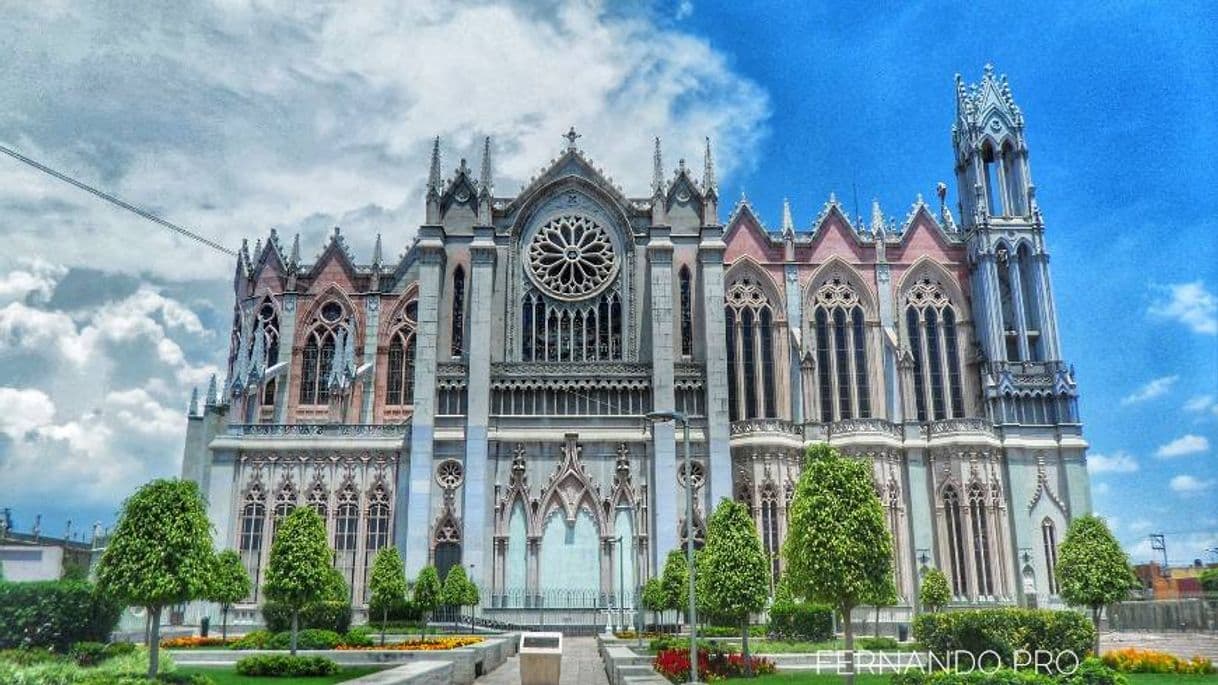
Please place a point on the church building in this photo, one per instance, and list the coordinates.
(482, 399)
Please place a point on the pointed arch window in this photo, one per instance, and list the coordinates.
(250, 539)
(1033, 327)
(752, 351)
(840, 333)
(458, 322)
(268, 322)
(955, 541)
(1048, 533)
(376, 530)
(687, 312)
(769, 528)
(346, 532)
(319, 351)
(285, 502)
(567, 332)
(981, 541)
(930, 322)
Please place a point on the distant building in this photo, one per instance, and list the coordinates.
(29, 556)
(1173, 582)
(481, 399)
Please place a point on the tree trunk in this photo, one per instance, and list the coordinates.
(744, 648)
(877, 621)
(849, 627)
(224, 622)
(154, 640)
(423, 625)
(1095, 621)
(384, 620)
(295, 626)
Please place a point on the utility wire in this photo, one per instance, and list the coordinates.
(118, 202)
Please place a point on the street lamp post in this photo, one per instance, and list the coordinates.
(655, 417)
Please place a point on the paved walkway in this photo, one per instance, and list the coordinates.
(581, 665)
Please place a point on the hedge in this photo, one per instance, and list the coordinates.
(326, 615)
(286, 665)
(309, 638)
(54, 614)
(801, 621)
(1005, 631)
(1089, 672)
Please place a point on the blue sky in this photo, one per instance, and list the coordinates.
(234, 117)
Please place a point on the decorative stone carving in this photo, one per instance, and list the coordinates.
(571, 257)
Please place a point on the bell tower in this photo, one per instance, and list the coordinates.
(1024, 378)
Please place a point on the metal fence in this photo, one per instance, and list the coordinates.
(574, 611)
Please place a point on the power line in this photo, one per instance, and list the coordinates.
(118, 202)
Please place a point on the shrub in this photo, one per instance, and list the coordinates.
(1134, 660)
(310, 638)
(801, 621)
(878, 644)
(330, 614)
(254, 640)
(54, 614)
(87, 653)
(286, 665)
(27, 657)
(1004, 631)
(120, 649)
(669, 642)
(1001, 676)
(1093, 672)
(674, 665)
(357, 637)
(726, 631)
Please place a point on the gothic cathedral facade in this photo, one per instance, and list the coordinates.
(482, 400)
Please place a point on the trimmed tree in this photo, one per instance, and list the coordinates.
(934, 593)
(1092, 569)
(838, 550)
(733, 575)
(160, 553)
(427, 594)
(470, 598)
(299, 570)
(675, 581)
(654, 599)
(387, 584)
(229, 584)
(455, 590)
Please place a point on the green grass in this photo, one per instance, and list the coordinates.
(833, 679)
(227, 675)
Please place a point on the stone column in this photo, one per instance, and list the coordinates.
(990, 312)
(795, 322)
(475, 520)
(412, 521)
(287, 338)
(921, 519)
(372, 316)
(664, 435)
(1045, 308)
(718, 448)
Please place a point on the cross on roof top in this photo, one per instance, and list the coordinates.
(571, 136)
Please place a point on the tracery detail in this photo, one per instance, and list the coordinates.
(571, 257)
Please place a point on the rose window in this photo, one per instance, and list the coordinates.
(449, 474)
(571, 257)
(699, 474)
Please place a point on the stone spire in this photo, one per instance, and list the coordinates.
(709, 186)
(193, 408)
(788, 224)
(657, 171)
(433, 176)
(877, 218)
(212, 398)
(293, 263)
(377, 260)
(485, 179)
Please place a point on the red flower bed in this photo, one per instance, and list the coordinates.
(674, 665)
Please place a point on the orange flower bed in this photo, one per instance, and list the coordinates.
(438, 644)
(1134, 660)
(195, 641)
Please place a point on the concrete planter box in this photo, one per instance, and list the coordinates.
(467, 662)
(540, 658)
(418, 673)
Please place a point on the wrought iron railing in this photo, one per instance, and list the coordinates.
(857, 426)
(277, 430)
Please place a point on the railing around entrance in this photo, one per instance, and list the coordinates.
(573, 611)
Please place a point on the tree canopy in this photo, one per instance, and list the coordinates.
(454, 591)
(1092, 569)
(229, 584)
(160, 552)
(733, 574)
(934, 593)
(387, 584)
(838, 550)
(428, 594)
(675, 581)
(299, 570)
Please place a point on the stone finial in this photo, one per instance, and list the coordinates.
(877, 218)
(657, 170)
(708, 171)
(376, 254)
(485, 178)
(433, 176)
(788, 224)
(193, 408)
(294, 258)
(212, 398)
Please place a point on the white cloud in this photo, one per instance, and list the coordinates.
(1188, 303)
(1140, 526)
(136, 410)
(1186, 484)
(685, 8)
(1155, 388)
(332, 119)
(1183, 445)
(34, 277)
(1118, 462)
(1199, 403)
(23, 410)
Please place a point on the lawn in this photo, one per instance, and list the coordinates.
(227, 675)
(833, 679)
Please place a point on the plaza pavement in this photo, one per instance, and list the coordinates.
(581, 665)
